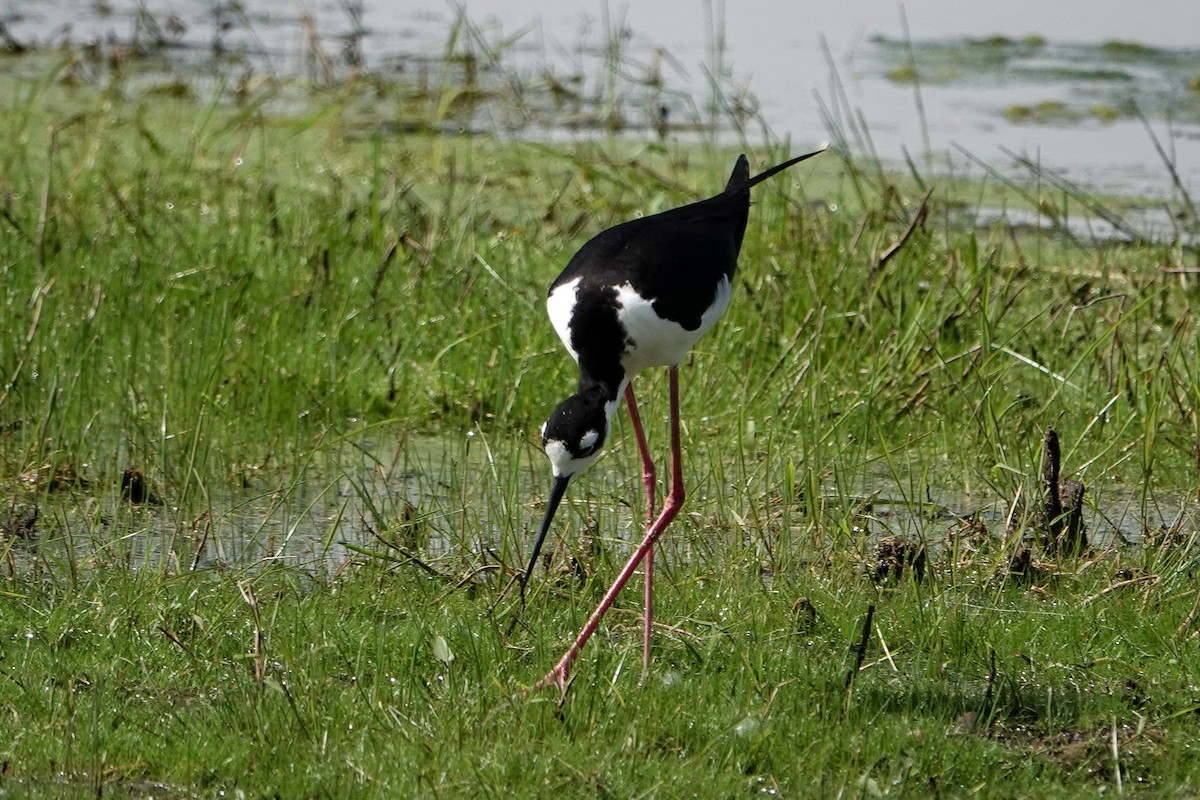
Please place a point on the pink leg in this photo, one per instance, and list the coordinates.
(648, 614)
(648, 476)
(558, 675)
(648, 481)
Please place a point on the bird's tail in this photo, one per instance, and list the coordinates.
(740, 180)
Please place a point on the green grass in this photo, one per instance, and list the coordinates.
(326, 352)
(279, 684)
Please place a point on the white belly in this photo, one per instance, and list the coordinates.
(660, 342)
(559, 306)
(651, 341)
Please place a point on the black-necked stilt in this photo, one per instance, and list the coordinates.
(638, 295)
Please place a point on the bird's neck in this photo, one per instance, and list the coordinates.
(607, 389)
(610, 394)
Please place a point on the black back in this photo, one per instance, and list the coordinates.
(677, 256)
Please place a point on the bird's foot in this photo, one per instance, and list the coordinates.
(559, 677)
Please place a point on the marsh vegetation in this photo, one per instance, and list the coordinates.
(270, 380)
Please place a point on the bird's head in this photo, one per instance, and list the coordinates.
(572, 437)
(576, 430)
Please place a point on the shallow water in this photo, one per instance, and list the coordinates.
(800, 62)
(440, 504)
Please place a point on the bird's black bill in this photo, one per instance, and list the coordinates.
(762, 176)
(556, 495)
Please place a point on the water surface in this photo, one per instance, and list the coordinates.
(799, 67)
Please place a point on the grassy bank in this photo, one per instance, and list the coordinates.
(385, 683)
(225, 326)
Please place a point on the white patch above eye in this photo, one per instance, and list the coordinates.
(563, 462)
(588, 439)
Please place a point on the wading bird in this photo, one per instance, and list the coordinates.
(638, 295)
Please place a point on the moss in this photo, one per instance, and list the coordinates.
(1043, 113)
(1124, 48)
